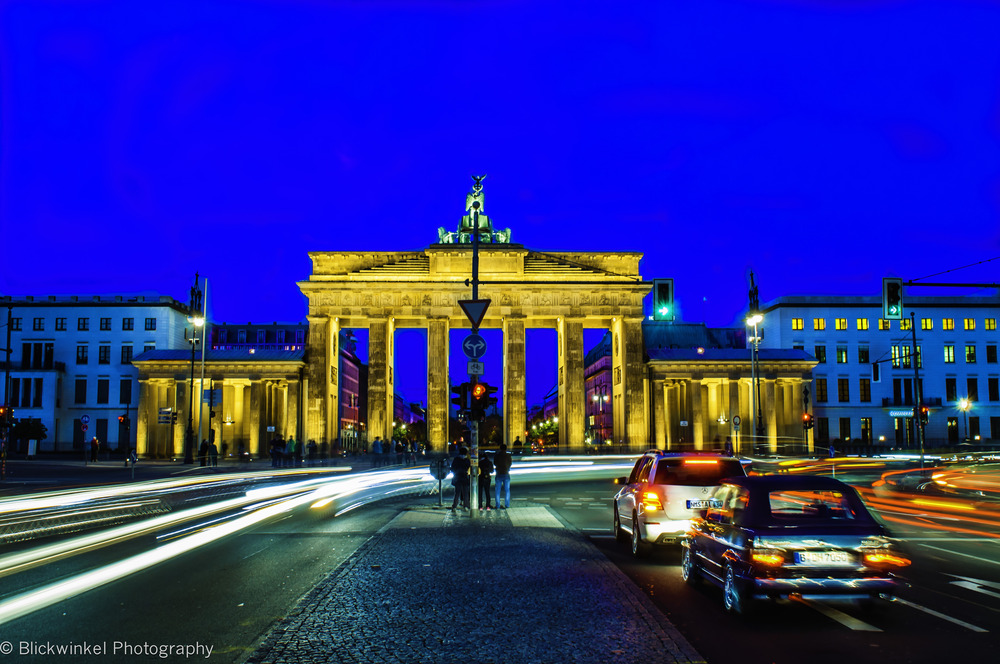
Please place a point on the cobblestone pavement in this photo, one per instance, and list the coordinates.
(511, 587)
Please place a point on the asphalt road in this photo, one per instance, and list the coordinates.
(230, 592)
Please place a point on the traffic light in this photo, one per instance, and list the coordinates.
(925, 415)
(807, 421)
(490, 399)
(461, 398)
(892, 298)
(478, 401)
(663, 299)
(876, 373)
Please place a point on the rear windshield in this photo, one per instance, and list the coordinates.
(812, 506)
(696, 472)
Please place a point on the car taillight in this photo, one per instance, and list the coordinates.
(651, 501)
(768, 557)
(884, 558)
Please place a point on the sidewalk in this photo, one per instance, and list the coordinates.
(514, 586)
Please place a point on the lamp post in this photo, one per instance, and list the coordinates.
(196, 320)
(601, 399)
(756, 319)
(964, 405)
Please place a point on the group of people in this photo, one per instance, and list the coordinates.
(398, 451)
(208, 454)
(461, 465)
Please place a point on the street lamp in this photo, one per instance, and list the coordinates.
(964, 405)
(601, 399)
(756, 319)
(197, 320)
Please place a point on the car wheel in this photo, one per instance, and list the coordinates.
(619, 533)
(734, 599)
(689, 568)
(640, 549)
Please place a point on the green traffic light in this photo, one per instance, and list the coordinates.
(664, 311)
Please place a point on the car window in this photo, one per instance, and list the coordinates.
(634, 475)
(738, 499)
(644, 471)
(696, 472)
(811, 505)
(721, 511)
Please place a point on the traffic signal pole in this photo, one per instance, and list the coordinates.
(473, 423)
(918, 397)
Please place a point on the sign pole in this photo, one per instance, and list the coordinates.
(473, 425)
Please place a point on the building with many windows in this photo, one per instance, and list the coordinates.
(71, 363)
(854, 402)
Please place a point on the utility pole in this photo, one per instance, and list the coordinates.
(474, 423)
(917, 394)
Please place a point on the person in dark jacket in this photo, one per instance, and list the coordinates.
(460, 471)
(485, 477)
(502, 463)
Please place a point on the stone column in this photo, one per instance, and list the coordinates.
(179, 430)
(380, 394)
(292, 410)
(571, 385)
(634, 364)
(659, 416)
(669, 404)
(332, 380)
(697, 415)
(316, 409)
(770, 412)
(714, 390)
(515, 393)
(146, 398)
(795, 385)
(438, 387)
(256, 445)
(735, 409)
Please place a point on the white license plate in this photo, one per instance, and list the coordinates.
(702, 504)
(823, 557)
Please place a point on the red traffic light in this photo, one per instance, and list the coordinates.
(478, 390)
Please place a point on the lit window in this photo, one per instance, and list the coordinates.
(883, 324)
(926, 323)
(819, 323)
(970, 323)
(990, 324)
(862, 323)
(905, 324)
(796, 323)
(840, 323)
(895, 357)
(947, 323)
(841, 354)
(970, 354)
(949, 354)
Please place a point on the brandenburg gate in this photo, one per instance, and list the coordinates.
(386, 291)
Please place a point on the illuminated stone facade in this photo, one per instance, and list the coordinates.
(565, 291)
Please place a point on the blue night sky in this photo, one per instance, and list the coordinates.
(824, 145)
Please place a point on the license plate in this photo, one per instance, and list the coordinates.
(823, 557)
(702, 504)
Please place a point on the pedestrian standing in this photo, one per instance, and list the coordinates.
(213, 454)
(485, 477)
(95, 446)
(502, 463)
(729, 446)
(460, 478)
(377, 452)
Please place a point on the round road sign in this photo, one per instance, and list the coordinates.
(83, 427)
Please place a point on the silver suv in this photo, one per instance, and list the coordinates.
(664, 492)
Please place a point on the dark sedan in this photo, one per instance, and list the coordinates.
(772, 536)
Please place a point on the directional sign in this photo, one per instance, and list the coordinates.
(85, 419)
(165, 411)
(476, 368)
(474, 346)
(475, 310)
(212, 396)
